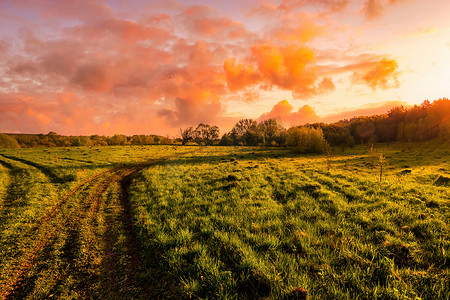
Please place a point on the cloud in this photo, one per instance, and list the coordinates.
(94, 77)
(373, 8)
(381, 74)
(287, 67)
(375, 71)
(69, 114)
(284, 113)
(120, 33)
(205, 22)
(376, 8)
(423, 32)
(192, 111)
(81, 10)
(240, 75)
(300, 29)
(326, 85)
(365, 110)
(288, 6)
(4, 47)
(332, 5)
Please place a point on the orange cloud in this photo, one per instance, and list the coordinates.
(373, 8)
(302, 31)
(287, 67)
(382, 74)
(375, 71)
(122, 34)
(326, 85)
(239, 75)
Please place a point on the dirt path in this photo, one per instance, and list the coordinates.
(93, 218)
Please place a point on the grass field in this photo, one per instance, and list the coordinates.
(225, 222)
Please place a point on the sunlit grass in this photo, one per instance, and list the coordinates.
(229, 222)
(63, 236)
(261, 223)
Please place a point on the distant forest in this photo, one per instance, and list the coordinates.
(53, 139)
(423, 122)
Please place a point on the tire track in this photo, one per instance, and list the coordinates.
(49, 228)
(46, 170)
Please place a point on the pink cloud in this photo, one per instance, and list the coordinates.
(94, 77)
(290, 6)
(82, 10)
(284, 113)
(204, 22)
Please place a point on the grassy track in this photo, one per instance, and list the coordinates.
(70, 249)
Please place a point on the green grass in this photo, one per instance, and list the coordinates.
(225, 222)
(55, 213)
(250, 223)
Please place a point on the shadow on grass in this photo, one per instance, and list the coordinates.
(55, 174)
(16, 193)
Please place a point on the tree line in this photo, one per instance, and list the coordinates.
(53, 139)
(202, 134)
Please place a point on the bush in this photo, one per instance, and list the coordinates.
(306, 140)
(7, 141)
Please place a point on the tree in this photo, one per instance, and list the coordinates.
(186, 135)
(362, 129)
(245, 132)
(117, 139)
(205, 133)
(306, 139)
(82, 141)
(226, 139)
(98, 140)
(7, 141)
(271, 132)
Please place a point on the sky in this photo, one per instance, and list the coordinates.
(84, 67)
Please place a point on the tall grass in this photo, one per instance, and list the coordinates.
(256, 224)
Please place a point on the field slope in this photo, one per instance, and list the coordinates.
(225, 222)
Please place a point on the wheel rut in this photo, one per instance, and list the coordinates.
(66, 223)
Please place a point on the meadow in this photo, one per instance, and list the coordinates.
(225, 222)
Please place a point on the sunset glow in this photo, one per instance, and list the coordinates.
(151, 67)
